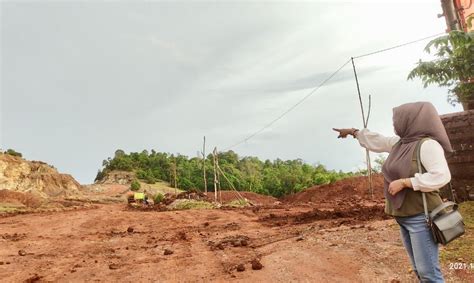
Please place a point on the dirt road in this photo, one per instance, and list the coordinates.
(112, 243)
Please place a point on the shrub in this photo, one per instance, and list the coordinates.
(158, 198)
(146, 176)
(150, 179)
(135, 185)
(13, 152)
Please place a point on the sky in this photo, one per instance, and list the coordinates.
(80, 79)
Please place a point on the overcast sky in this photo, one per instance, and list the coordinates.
(82, 79)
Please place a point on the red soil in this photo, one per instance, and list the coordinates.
(27, 199)
(351, 190)
(330, 233)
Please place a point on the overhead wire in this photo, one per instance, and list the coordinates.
(398, 46)
(291, 108)
(323, 83)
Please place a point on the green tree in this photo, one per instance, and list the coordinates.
(277, 178)
(379, 161)
(119, 153)
(453, 67)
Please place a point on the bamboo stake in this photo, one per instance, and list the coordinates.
(175, 178)
(215, 173)
(364, 121)
(367, 152)
(204, 164)
(218, 179)
(368, 113)
(232, 186)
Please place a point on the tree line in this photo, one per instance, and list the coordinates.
(276, 178)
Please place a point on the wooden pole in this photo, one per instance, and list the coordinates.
(364, 121)
(171, 175)
(175, 178)
(214, 153)
(204, 164)
(451, 15)
(218, 179)
(368, 112)
(371, 189)
(358, 91)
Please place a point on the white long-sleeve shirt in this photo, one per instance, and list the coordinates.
(431, 155)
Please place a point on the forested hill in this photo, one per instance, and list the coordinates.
(276, 178)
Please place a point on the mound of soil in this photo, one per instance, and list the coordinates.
(352, 214)
(349, 190)
(229, 196)
(28, 200)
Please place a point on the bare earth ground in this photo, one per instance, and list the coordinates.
(293, 243)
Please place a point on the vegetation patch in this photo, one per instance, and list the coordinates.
(6, 208)
(13, 152)
(159, 187)
(181, 204)
(158, 198)
(238, 203)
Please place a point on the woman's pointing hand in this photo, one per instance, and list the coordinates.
(344, 132)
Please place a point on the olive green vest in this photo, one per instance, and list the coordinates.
(413, 202)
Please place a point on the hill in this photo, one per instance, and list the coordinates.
(35, 177)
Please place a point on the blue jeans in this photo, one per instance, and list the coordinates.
(421, 248)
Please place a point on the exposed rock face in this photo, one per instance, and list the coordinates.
(118, 177)
(36, 177)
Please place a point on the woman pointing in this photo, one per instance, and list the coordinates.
(413, 122)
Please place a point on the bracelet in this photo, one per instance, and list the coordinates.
(405, 182)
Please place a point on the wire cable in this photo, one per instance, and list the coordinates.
(324, 82)
(398, 46)
(291, 108)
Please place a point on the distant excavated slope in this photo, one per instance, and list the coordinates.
(117, 177)
(35, 177)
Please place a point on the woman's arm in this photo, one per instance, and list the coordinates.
(375, 142)
(437, 175)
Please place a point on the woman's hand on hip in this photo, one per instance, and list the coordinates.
(397, 185)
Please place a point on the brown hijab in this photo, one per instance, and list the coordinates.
(412, 122)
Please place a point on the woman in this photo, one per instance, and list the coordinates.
(403, 185)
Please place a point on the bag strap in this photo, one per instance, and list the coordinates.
(420, 170)
(453, 195)
(443, 206)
